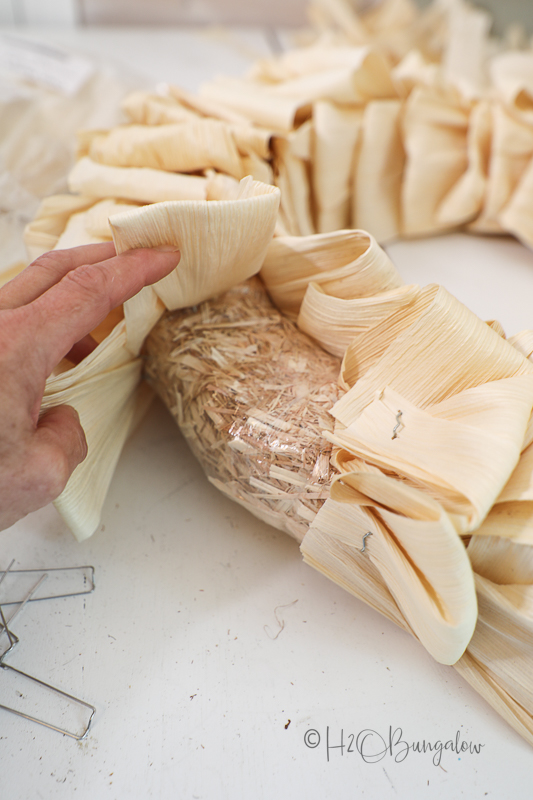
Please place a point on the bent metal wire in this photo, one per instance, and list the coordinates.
(13, 641)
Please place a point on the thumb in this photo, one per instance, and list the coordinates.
(60, 435)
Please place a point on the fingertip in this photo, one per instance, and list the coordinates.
(166, 256)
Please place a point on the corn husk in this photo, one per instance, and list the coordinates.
(378, 172)
(292, 155)
(419, 556)
(43, 232)
(105, 387)
(510, 154)
(334, 322)
(344, 263)
(443, 138)
(336, 134)
(142, 184)
(211, 262)
(105, 391)
(185, 147)
(149, 109)
(435, 141)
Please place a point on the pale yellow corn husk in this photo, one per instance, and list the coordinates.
(420, 557)
(259, 169)
(512, 521)
(97, 217)
(333, 322)
(42, 233)
(184, 147)
(465, 200)
(503, 637)
(523, 342)
(302, 61)
(76, 233)
(211, 260)
(206, 107)
(221, 187)
(416, 353)
(291, 156)
(149, 109)
(456, 460)
(502, 559)
(336, 132)
(341, 14)
(392, 25)
(377, 181)
(414, 70)
(520, 484)
(465, 56)
(517, 216)
(134, 183)
(510, 155)
(344, 263)
(325, 549)
(85, 138)
(511, 73)
(281, 106)
(103, 389)
(435, 141)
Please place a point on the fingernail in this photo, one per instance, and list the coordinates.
(167, 248)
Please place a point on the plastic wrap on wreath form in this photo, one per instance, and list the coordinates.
(251, 394)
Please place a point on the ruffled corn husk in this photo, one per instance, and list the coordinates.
(184, 147)
(403, 123)
(378, 171)
(344, 263)
(149, 109)
(291, 156)
(421, 560)
(336, 132)
(142, 184)
(333, 321)
(43, 232)
(104, 390)
(211, 261)
(435, 141)
(105, 387)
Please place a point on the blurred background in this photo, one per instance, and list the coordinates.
(246, 12)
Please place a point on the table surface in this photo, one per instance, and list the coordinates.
(208, 648)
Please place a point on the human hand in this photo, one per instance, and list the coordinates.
(46, 313)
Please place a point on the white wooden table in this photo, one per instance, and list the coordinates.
(208, 647)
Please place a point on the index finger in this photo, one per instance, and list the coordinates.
(83, 298)
(47, 270)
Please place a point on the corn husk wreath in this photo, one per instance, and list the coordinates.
(398, 123)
